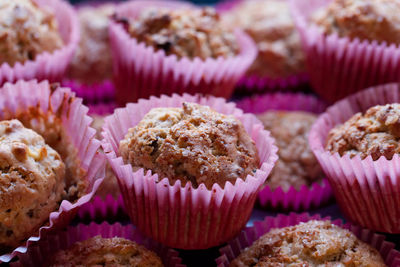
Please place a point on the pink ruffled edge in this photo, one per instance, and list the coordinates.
(99, 208)
(338, 66)
(159, 209)
(367, 191)
(251, 234)
(49, 66)
(139, 67)
(92, 93)
(21, 96)
(38, 254)
(306, 197)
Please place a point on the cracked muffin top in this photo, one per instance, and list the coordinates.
(364, 19)
(297, 164)
(31, 182)
(375, 133)
(184, 32)
(314, 243)
(192, 144)
(98, 251)
(26, 30)
(271, 26)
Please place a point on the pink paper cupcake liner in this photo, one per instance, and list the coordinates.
(185, 217)
(101, 108)
(139, 71)
(306, 197)
(338, 66)
(48, 66)
(251, 234)
(100, 208)
(92, 93)
(368, 192)
(73, 115)
(39, 254)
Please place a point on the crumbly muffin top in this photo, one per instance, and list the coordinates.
(98, 251)
(375, 133)
(314, 243)
(185, 33)
(92, 60)
(26, 30)
(364, 19)
(192, 144)
(271, 26)
(31, 182)
(297, 164)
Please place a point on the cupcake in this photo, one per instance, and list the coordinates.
(181, 48)
(356, 143)
(36, 39)
(349, 44)
(187, 160)
(280, 60)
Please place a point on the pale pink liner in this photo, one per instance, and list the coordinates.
(49, 66)
(338, 66)
(368, 192)
(92, 93)
(251, 234)
(306, 197)
(39, 254)
(21, 96)
(139, 71)
(184, 217)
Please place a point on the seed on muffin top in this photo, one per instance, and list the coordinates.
(375, 133)
(184, 32)
(26, 30)
(192, 144)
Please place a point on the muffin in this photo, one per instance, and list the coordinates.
(191, 144)
(375, 133)
(98, 251)
(372, 20)
(186, 33)
(32, 183)
(314, 243)
(271, 26)
(296, 165)
(26, 31)
(92, 61)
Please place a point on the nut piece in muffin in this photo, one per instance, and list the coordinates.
(192, 144)
(297, 164)
(26, 30)
(370, 20)
(184, 32)
(31, 183)
(314, 243)
(98, 251)
(375, 133)
(92, 60)
(271, 26)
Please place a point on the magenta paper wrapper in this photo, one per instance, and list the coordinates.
(39, 254)
(102, 208)
(140, 72)
(48, 66)
(23, 95)
(306, 197)
(102, 109)
(92, 93)
(251, 234)
(338, 66)
(184, 217)
(367, 191)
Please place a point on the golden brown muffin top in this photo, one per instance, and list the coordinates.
(92, 60)
(192, 144)
(98, 251)
(364, 19)
(184, 32)
(31, 182)
(271, 26)
(375, 133)
(297, 164)
(26, 30)
(314, 243)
